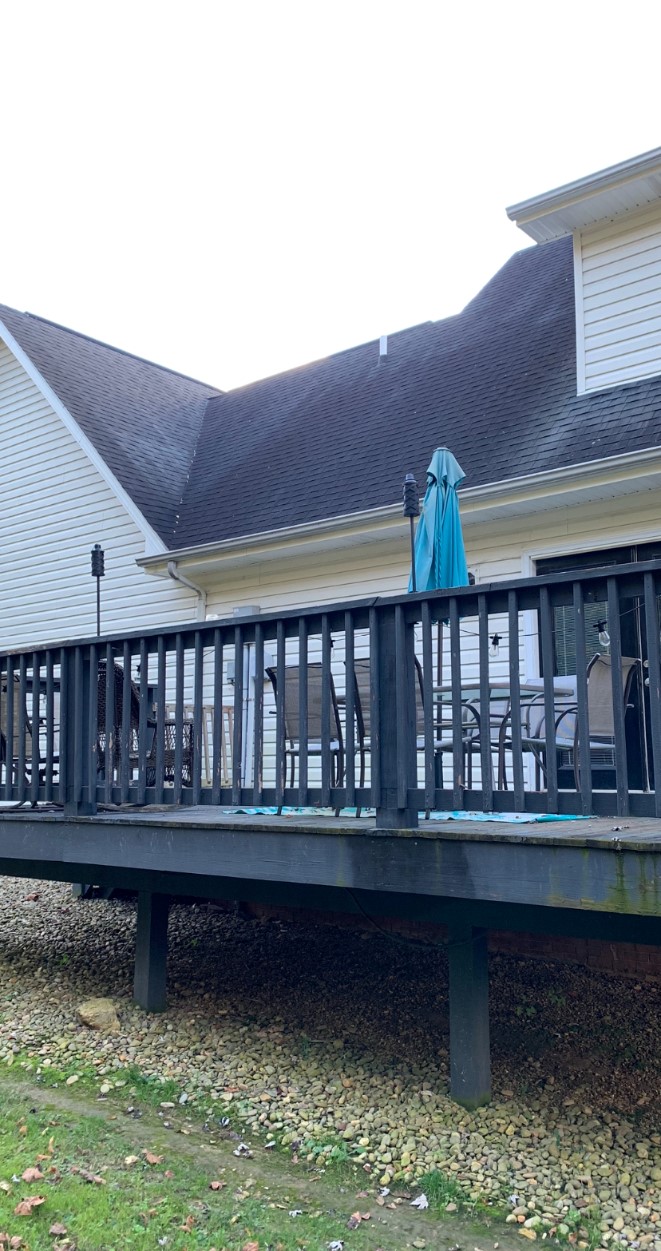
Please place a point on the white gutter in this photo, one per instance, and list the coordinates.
(199, 590)
(591, 184)
(277, 538)
(474, 501)
(626, 465)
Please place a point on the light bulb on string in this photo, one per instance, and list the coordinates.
(494, 649)
(602, 633)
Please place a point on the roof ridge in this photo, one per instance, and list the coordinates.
(111, 347)
(347, 351)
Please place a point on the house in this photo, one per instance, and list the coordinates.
(286, 492)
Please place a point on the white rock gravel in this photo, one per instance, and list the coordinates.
(314, 1035)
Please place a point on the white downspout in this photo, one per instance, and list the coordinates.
(173, 570)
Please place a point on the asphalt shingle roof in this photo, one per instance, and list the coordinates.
(496, 384)
(142, 418)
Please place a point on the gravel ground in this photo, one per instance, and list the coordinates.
(311, 1034)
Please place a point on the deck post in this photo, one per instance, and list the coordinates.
(151, 948)
(394, 721)
(470, 1065)
(77, 742)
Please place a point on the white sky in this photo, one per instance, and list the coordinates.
(233, 188)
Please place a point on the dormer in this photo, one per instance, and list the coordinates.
(615, 220)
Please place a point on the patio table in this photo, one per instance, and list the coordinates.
(500, 699)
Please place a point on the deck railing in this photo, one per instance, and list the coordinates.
(478, 698)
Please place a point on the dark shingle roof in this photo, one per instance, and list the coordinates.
(496, 384)
(143, 419)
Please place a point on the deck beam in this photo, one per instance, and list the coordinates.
(585, 866)
(470, 1061)
(151, 948)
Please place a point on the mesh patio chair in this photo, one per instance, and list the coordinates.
(362, 703)
(601, 719)
(443, 729)
(533, 721)
(314, 722)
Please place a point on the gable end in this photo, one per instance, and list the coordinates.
(617, 273)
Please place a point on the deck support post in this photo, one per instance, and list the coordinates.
(151, 948)
(394, 721)
(77, 738)
(470, 1064)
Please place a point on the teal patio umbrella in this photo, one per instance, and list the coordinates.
(439, 559)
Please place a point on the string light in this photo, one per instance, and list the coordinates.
(494, 649)
(602, 633)
(534, 634)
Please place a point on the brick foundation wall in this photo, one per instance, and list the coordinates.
(636, 960)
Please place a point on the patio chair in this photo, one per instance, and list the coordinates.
(362, 704)
(226, 738)
(601, 718)
(314, 723)
(533, 734)
(443, 735)
(117, 721)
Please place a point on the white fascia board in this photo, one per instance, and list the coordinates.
(557, 213)
(630, 466)
(153, 542)
(476, 504)
(276, 541)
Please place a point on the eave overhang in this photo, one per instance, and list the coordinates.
(600, 197)
(632, 473)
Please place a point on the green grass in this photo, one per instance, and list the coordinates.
(153, 1090)
(167, 1203)
(583, 1225)
(170, 1205)
(441, 1190)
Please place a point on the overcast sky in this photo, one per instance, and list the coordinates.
(232, 189)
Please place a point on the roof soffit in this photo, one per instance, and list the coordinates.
(600, 197)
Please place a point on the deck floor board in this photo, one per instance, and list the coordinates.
(611, 832)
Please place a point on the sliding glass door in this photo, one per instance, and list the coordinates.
(634, 643)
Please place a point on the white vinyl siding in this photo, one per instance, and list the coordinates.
(497, 549)
(55, 506)
(618, 292)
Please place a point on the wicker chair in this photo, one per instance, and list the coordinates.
(11, 759)
(117, 720)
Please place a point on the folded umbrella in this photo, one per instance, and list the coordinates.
(439, 556)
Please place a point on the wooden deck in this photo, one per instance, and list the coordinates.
(601, 865)
(598, 878)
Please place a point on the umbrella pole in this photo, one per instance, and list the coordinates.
(413, 586)
(411, 510)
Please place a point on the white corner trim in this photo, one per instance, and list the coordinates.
(153, 542)
(578, 311)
